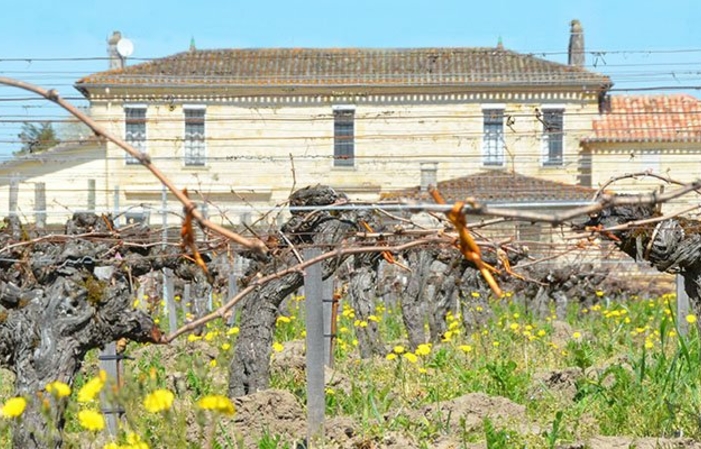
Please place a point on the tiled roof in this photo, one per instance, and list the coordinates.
(494, 187)
(649, 118)
(348, 67)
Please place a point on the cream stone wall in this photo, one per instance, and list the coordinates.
(251, 150)
(65, 175)
(678, 161)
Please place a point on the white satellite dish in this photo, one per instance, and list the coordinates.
(125, 48)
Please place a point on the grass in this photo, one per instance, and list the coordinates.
(616, 370)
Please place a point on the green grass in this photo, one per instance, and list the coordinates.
(633, 375)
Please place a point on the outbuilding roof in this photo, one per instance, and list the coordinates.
(649, 118)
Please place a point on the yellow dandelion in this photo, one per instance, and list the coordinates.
(92, 388)
(691, 319)
(599, 293)
(495, 344)
(466, 348)
(649, 344)
(282, 319)
(423, 349)
(576, 335)
(391, 356)
(374, 318)
(91, 420)
(58, 389)
(475, 294)
(217, 403)
(514, 326)
(233, 331)
(278, 347)
(159, 401)
(398, 349)
(213, 363)
(13, 407)
(225, 346)
(193, 337)
(209, 336)
(411, 357)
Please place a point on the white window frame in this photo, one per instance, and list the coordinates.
(338, 162)
(129, 159)
(493, 150)
(187, 158)
(545, 160)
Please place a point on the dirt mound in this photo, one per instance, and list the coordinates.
(562, 383)
(601, 442)
(269, 412)
(471, 409)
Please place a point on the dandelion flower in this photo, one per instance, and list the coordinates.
(217, 403)
(233, 331)
(411, 357)
(398, 349)
(576, 335)
(59, 389)
(423, 349)
(225, 346)
(278, 347)
(13, 407)
(391, 356)
(282, 319)
(691, 319)
(465, 348)
(91, 420)
(91, 389)
(159, 401)
(213, 363)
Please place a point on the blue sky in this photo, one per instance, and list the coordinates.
(641, 43)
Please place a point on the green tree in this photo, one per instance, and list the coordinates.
(36, 138)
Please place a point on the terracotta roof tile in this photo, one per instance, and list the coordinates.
(493, 187)
(347, 66)
(649, 118)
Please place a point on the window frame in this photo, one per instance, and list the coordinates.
(140, 144)
(493, 136)
(551, 137)
(190, 143)
(343, 151)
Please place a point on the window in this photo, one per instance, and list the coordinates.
(343, 137)
(493, 138)
(194, 148)
(552, 136)
(135, 130)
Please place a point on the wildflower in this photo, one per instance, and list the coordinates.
(576, 335)
(233, 331)
(193, 337)
(475, 294)
(423, 370)
(466, 348)
(13, 407)
(398, 349)
(59, 389)
(649, 344)
(91, 389)
(278, 347)
(354, 342)
(391, 356)
(213, 363)
(134, 442)
(361, 323)
(159, 401)
(343, 330)
(217, 403)
(225, 346)
(691, 319)
(329, 391)
(423, 349)
(516, 316)
(599, 293)
(373, 318)
(282, 319)
(514, 326)
(672, 334)
(91, 420)
(448, 335)
(479, 309)
(209, 336)
(495, 344)
(411, 357)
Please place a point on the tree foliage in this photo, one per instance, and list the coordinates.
(37, 137)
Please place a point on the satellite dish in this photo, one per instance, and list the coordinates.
(125, 48)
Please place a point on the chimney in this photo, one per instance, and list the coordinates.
(429, 175)
(576, 49)
(116, 60)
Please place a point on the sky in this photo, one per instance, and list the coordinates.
(652, 46)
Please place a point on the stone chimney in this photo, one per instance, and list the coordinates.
(116, 61)
(575, 52)
(429, 175)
